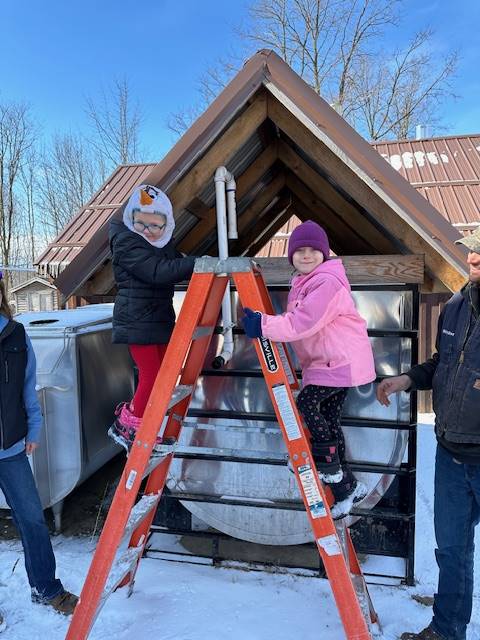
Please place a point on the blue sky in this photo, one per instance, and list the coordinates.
(54, 53)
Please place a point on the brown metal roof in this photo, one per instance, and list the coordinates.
(446, 171)
(304, 159)
(96, 213)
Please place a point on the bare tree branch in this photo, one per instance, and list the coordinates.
(17, 137)
(340, 48)
(116, 122)
(68, 175)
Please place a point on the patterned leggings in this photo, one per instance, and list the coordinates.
(321, 408)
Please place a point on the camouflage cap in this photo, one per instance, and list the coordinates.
(472, 241)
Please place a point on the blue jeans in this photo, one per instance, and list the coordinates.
(457, 512)
(21, 494)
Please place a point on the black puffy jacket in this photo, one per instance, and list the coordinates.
(145, 277)
(453, 372)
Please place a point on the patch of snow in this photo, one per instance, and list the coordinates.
(407, 159)
(183, 601)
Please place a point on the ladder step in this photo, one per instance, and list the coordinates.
(120, 568)
(180, 392)
(140, 511)
(160, 452)
(202, 332)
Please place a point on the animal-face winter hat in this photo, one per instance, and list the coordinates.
(148, 199)
(308, 234)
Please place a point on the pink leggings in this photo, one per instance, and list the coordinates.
(148, 358)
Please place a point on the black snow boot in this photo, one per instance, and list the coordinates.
(426, 634)
(325, 455)
(346, 493)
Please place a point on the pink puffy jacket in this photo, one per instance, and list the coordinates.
(327, 332)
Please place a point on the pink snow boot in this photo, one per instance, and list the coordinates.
(124, 429)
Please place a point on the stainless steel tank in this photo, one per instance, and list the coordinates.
(81, 376)
(385, 311)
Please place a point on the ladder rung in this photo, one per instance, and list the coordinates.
(120, 568)
(202, 332)
(180, 392)
(140, 511)
(159, 454)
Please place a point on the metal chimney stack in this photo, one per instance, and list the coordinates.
(423, 131)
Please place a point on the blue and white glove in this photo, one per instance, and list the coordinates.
(252, 323)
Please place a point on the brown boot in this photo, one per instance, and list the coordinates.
(426, 634)
(64, 603)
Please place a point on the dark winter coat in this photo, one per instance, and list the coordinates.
(13, 357)
(453, 373)
(145, 277)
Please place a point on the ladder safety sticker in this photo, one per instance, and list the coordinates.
(312, 493)
(286, 411)
(266, 348)
(330, 545)
(131, 479)
(285, 362)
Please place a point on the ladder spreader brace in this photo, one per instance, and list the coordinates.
(171, 395)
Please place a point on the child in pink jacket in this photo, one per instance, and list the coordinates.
(330, 339)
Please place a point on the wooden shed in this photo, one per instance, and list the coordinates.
(36, 294)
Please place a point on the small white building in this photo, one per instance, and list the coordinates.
(36, 294)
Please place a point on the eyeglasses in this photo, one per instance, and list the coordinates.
(153, 228)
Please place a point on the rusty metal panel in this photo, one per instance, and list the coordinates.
(100, 208)
(446, 171)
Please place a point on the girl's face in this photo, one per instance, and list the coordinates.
(150, 225)
(306, 259)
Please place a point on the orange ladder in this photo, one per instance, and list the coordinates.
(170, 398)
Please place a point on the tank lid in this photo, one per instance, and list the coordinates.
(65, 319)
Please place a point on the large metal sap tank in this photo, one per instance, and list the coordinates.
(225, 403)
(81, 377)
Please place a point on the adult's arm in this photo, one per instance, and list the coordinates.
(422, 374)
(30, 398)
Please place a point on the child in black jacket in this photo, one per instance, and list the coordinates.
(146, 266)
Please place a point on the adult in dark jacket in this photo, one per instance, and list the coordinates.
(20, 426)
(453, 373)
(146, 267)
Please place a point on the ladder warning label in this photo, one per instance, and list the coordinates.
(268, 354)
(286, 411)
(285, 362)
(131, 479)
(310, 488)
(330, 545)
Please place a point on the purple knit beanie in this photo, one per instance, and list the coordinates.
(308, 234)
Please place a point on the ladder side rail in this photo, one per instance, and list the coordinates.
(191, 371)
(128, 487)
(311, 488)
(268, 307)
(357, 571)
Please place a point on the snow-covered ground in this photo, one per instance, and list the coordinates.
(174, 601)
